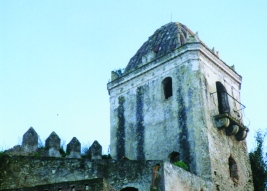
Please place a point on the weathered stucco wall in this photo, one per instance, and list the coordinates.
(19, 172)
(148, 126)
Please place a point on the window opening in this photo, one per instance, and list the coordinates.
(233, 170)
(222, 98)
(174, 157)
(167, 87)
(129, 189)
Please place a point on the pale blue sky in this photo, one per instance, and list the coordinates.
(56, 58)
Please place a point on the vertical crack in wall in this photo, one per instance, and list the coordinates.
(139, 123)
(120, 135)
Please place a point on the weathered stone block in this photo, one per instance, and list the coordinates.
(30, 140)
(52, 143)
(95, 151)
(74, 148)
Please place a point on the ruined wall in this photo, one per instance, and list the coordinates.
(22, 171)
(97, 184)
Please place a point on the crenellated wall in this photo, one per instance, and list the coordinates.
(52, 148)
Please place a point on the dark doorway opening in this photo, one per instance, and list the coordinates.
(174, 157)
(222, 98)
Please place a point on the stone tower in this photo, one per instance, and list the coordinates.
(177, 100)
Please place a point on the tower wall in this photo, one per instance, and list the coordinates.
(154, 126)
(222, 146)
(146, 126)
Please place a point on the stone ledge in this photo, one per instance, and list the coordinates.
(231, 125)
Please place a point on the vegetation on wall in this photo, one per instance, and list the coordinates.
(2, 154)
(258, 163)
(62, 151)
(119, 71)
(181, 164)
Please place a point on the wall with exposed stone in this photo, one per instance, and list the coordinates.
(21, 171)
(97, 184)
(221, 145)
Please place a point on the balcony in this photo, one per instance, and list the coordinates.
(228, 118)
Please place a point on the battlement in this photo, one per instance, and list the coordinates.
(30, 147)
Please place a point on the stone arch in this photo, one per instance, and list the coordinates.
(223, 104)
(167, 87)
(129, 189)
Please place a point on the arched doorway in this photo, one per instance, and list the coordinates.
(129, 189)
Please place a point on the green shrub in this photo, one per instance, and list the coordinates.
(181, 164)
(2, 154)
(62, 152)
(36, 154)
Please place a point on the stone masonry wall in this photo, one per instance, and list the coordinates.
(96, 184)
(21, 172)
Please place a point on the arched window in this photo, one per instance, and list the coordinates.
(222, 98)
(167, 87)
(174, 157)
(233, 169)
(129, 189)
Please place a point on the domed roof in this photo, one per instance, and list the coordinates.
(163, 41)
